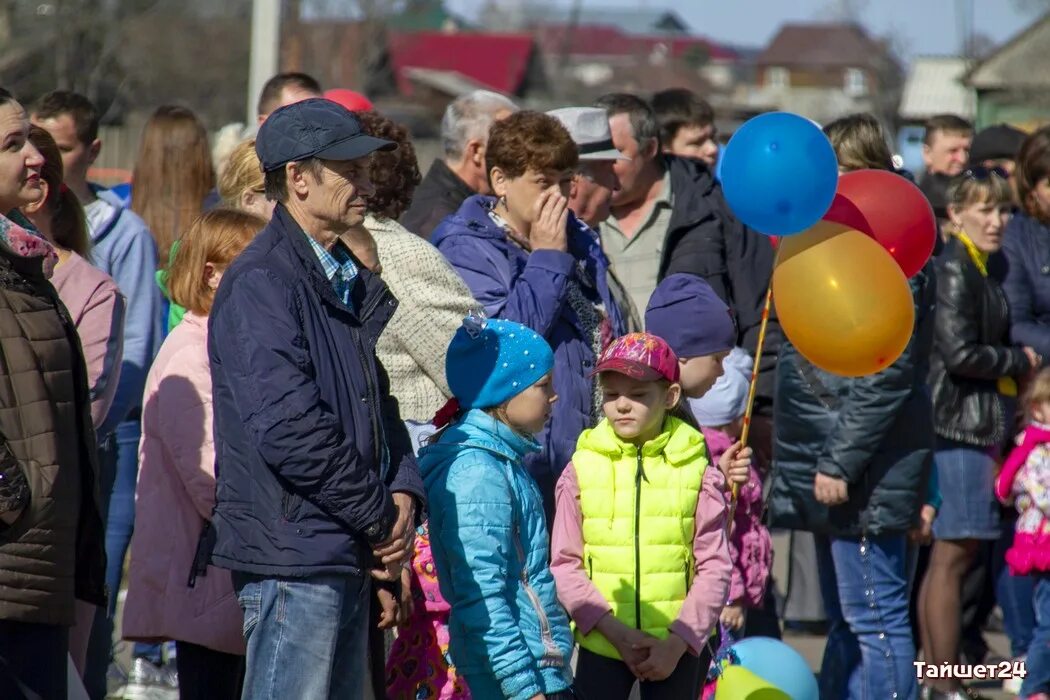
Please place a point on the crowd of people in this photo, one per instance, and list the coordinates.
(338, 427)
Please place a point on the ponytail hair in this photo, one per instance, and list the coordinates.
(68, 225)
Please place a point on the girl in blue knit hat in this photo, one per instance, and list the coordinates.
(509, 636)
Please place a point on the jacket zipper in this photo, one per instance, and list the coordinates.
(590, 568)
(551, 653)
(638, 475)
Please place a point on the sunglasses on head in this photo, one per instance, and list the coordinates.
(981, 173)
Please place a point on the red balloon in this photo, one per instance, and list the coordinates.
(890, 209)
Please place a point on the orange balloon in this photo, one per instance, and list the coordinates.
(842, 300)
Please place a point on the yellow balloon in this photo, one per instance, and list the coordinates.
(842, 300)
(737, 683)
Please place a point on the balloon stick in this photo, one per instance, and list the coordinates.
(745, 432)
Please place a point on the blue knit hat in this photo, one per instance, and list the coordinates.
(490, 361)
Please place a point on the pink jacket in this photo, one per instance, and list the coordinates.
(750, 545)
(97, 309)
(174, 498)
(1026, 476)
(706, 597)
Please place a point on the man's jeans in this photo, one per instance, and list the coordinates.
(307, 637)
(869, 653)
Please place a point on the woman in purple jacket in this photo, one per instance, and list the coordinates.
(526, 258)
(1027, 247)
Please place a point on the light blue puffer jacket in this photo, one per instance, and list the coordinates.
(510, 637)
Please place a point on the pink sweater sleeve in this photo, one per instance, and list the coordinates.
(707, 596)
(585, 604)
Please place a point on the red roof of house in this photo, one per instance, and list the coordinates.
(499, 61)
(606, 40)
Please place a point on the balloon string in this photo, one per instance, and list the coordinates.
(745, 433)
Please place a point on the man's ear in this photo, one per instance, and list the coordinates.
(296, 177)
(475, 152)
(574, 188)
(93, 151)
(651, 149)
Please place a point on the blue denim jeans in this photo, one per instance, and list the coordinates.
(307, 638)
(1015, 594)
(869, 653)
(1038, 667)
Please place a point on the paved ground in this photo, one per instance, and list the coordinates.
(811, 647)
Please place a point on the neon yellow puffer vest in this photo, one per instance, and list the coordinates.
(638, 523)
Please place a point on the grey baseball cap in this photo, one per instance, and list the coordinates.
(589, 128)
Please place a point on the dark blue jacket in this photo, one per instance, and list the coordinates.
(531, 288)
(875, 432)
(303, 473)
(1026, 245)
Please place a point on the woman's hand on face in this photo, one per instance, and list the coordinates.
(550, 222)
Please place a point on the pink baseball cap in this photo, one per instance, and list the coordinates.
(352, 100)
(642, 356)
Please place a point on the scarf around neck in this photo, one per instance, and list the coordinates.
(26, 242)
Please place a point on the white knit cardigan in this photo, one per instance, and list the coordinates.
(432, 301)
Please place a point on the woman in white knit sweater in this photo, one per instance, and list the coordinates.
(432, 299)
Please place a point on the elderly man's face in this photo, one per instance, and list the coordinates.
(629, 172)
(593, 188)
(339, 196)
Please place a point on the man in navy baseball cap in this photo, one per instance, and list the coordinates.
(317, 487)
(314, 128)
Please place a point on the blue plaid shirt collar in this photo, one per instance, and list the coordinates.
(338, 267)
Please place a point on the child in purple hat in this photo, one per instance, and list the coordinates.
(640, 556)
(685, 311)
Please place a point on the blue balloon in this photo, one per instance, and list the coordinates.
(779, 173)
(778, 664)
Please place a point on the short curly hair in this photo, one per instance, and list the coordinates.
(530, 140)
(394, 174)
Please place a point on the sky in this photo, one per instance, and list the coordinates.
(922, 27)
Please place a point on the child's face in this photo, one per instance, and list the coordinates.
(1041, 412)
(699, 374)
(635, 408)
(528, 411)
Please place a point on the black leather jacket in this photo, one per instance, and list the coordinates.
(971, 350)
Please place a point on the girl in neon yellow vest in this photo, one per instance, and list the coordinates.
(640, 556)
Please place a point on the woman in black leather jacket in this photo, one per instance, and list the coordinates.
(972, 379)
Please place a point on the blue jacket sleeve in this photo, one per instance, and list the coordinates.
(267, 364)
(534, 299)
(1025, 329)
(133, 267)
(472, 517)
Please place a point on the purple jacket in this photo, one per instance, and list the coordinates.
(531, 288)
(1026, 245)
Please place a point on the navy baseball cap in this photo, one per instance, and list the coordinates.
(314, 128)
(686, 312)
